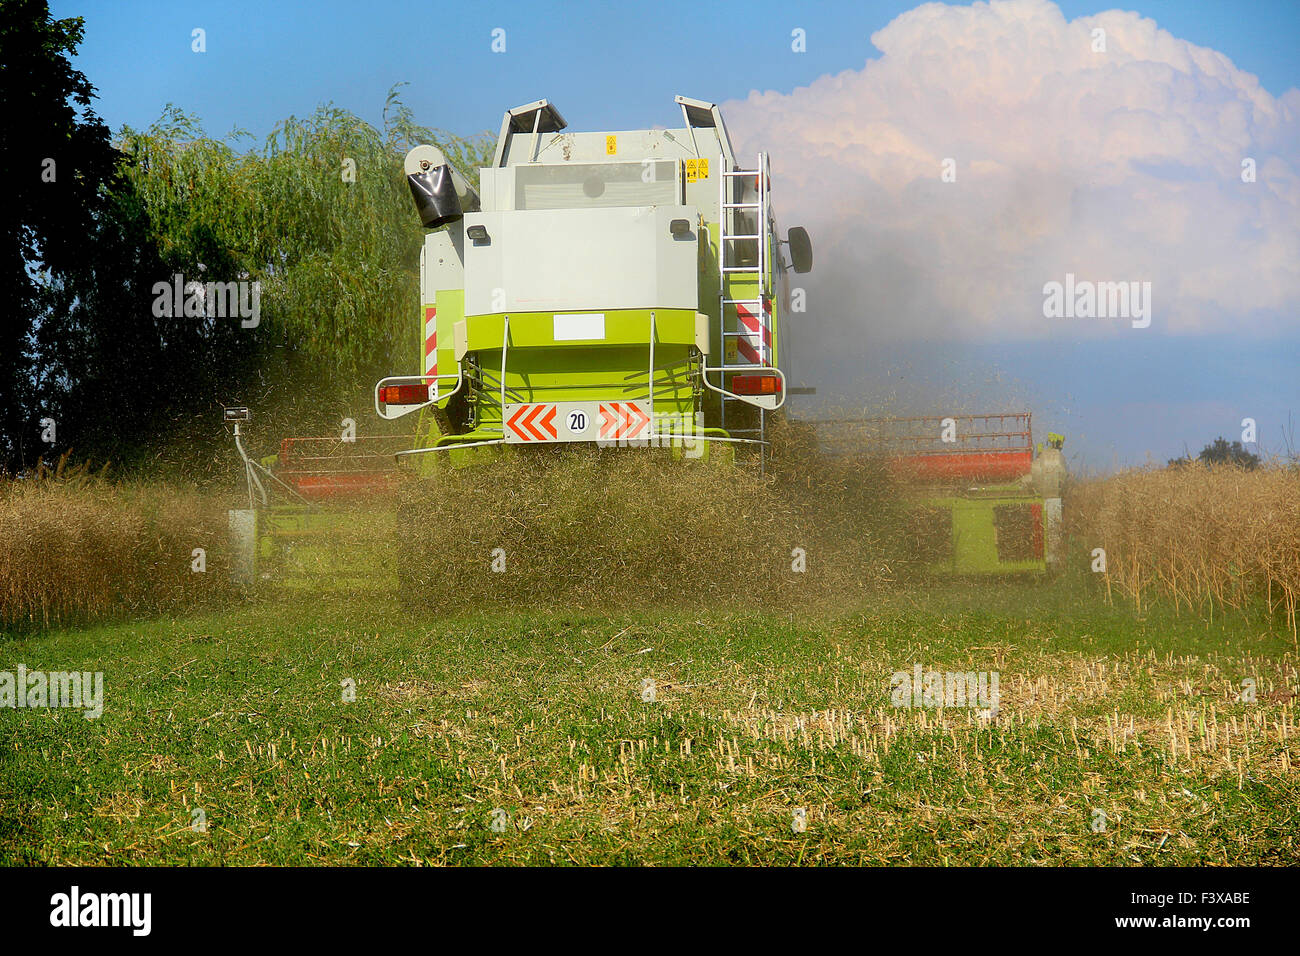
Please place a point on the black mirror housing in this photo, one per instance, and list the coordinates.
(800, 249)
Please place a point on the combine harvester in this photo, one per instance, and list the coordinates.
(615, 288)
(612, 288)
(627, 289)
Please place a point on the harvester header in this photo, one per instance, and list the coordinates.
(983, 499)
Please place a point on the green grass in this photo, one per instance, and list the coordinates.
(241, 714)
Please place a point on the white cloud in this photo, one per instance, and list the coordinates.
(1123, 165)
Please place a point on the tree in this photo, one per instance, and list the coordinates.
(320, 217)
(1221, 452)
(319, 221)
(57, 163)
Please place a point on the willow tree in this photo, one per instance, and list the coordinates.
(320, 216)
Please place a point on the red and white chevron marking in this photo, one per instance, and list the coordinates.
(621, 421)
(430, 342)
(532, 423)
(757, 328)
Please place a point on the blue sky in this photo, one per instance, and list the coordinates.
(608, 65)
(616, 66)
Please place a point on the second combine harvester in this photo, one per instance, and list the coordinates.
(613, 288)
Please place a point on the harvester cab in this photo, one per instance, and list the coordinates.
(618, 288)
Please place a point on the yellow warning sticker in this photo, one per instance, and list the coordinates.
(731, 351)
(697, 169)
(611, 145)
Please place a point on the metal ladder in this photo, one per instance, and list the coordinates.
(754, 336)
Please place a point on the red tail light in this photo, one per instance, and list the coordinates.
(756, 384)
(404, 394)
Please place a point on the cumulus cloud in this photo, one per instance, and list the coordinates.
(1123, 165)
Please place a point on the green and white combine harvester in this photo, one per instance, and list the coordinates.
(623, 289)
(617, 288)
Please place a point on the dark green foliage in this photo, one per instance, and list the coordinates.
(1221, 452)
(55, 162)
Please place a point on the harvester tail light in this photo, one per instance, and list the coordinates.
(756, 384)
(404, 394)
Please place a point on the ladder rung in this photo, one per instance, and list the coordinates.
(740, 205)
(750, 269)
(742, 237)
(741, 172)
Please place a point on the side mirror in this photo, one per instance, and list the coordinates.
(800, 249)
